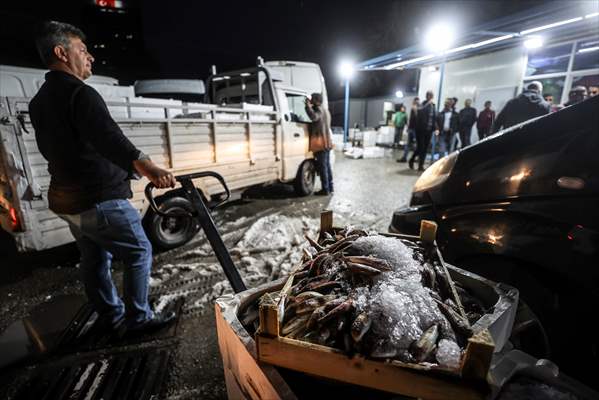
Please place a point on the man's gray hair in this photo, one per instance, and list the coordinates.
(535, 85)
(52, 34)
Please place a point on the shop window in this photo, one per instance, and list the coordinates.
(587, 55)
(548, 60)
(551, 86)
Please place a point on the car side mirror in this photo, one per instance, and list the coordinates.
(287, 117)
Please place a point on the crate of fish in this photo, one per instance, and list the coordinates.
(381, 311)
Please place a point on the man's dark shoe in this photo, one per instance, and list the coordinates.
(403, 159)
(420, 168)
(411, 164)
(152, 325)
(322, 193)
(108, 325)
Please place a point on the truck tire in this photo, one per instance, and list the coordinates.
(168, 233)
(304, 180)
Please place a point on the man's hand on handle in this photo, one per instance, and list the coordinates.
(161, 178)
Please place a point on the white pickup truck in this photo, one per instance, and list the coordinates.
(252, 129)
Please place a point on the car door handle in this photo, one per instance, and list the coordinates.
(296, 135)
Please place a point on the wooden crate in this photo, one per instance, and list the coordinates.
(416, 380)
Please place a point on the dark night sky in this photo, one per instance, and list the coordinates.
(182, 39)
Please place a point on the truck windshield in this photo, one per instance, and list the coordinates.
(247, 87)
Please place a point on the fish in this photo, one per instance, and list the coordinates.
(360, 326)
(422, 348)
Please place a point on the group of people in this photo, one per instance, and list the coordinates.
(448, 124)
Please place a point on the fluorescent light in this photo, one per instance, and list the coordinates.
(412, 61)
(399, 94)
(588, 49)
(494, 40)
(591, 15)
(553, 25)
(533, 43)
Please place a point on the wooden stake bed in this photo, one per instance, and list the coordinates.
(416, 380)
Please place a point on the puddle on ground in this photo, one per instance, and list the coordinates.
(39, 332)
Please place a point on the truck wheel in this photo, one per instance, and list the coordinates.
(304, 181)
(168, 233)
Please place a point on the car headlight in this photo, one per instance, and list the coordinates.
(436, 173)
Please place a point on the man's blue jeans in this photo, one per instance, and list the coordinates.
(113, 228)
(323, 166)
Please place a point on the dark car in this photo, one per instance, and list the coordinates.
(522, 207)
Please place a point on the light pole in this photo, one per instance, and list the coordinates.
(346, 70)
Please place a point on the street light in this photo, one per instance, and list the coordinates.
(439, 37)
(533, 43)
(346, 70)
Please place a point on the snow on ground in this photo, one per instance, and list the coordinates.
(267, 249)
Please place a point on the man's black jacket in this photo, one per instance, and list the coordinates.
(89, 158)
(467, 118)
(453, 123)
(529, 104)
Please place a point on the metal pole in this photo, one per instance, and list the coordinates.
(441, 76)
(346, 113)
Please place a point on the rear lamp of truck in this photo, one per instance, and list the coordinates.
(15, 224)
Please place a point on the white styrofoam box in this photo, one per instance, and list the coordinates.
(337, 141)
(373, 152)
(354, 152)
(386, 129)
(354, 134)
(385, 136)
(369, 138)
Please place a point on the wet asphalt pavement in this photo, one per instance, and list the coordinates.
(366, 194)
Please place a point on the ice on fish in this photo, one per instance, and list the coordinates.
(448, 354)
(401, 307)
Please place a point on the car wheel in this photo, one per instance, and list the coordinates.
(171, 232)
(304, 180)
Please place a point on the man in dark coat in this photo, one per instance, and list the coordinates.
(447, 121)
(529, 104)
(467, 118)
(426, 124)
(91, 163)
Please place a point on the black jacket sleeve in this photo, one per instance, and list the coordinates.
(95, 125)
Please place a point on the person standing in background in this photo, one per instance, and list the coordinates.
(399, 121)
(527, 105)
(321, 141)
(467, 118)
(485, 121)
(447, 121)
(411, 129)
(426, 124)
(576, 95)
